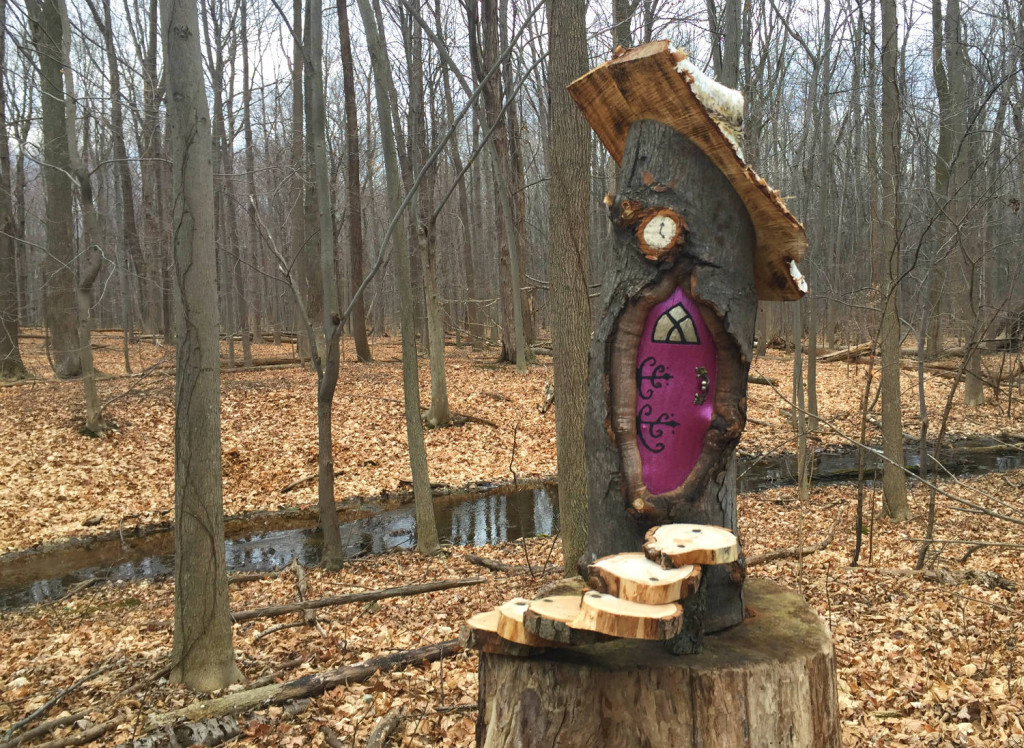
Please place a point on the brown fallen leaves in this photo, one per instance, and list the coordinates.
(920, 663)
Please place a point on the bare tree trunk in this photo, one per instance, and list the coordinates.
(129, 228)
(353, 190)
(91, 233)
(439, 412)
(568, 271)
(331, 323)
(60, 301)
(483, 29)
(153, 278)
(11, 365)
(202, 656)
(894, 484)
(473, 325)
(252, 253)
(426, 527)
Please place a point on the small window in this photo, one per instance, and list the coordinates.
(675, 326)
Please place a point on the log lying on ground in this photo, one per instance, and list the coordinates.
(683, 544)
(354, 597)
(500, 566)
(302, 688)
(845, 353)
(768, 681)
(634, 577)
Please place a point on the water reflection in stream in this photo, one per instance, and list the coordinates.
(488, 515)
(468, 519)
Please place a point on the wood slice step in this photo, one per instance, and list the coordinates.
(681, 544)
(634, 577)
(510, 624)
(480, 632)
(623, 619)
(553, 618)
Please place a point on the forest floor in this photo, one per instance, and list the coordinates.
(923, 660)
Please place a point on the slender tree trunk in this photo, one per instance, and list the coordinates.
(331, 318)
(202, 656)
(439, 412)
(894, 485)
(568, 271)
(252, 253)
(129, 227)
(60, 300)
(11, 366)
(353, 192)
(473, 325)
(426, 527)
(153, 277)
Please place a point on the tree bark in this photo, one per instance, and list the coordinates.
(202, 655)
(426, 526)
(353, 191)
(620, 511)
(331, 318)
(60, 299)
(568, 268)
(439, 413)
(768, 682)
(11, 365)
(894, 485)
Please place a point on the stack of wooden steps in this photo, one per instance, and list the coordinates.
(629, 596)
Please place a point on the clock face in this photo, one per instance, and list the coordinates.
(659, 232)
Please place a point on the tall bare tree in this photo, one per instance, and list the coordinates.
(353, 187)
(202, 656)
(61, 302)
(894, 482)
(426, 527)
(568, 258)
(11, 365)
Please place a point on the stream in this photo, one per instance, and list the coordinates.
(487, 515)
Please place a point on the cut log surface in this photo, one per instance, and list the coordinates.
(682, 544)
(481, 632)
(769, 681)
(627, 620)
(553, 618)
(510, 624)
(634, 577)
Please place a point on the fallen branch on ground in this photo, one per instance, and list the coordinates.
(355, 597)
(954, 577)
(384, 727)
(797, 552)
(504, 568)
(60, 695)
(301, 688)
(81, 738)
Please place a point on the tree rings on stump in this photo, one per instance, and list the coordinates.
(682, 544)
(769, 681)
(634, 577)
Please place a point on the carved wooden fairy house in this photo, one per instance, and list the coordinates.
(699, 238)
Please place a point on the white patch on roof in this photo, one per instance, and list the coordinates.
(798, 277)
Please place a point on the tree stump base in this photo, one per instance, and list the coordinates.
(769, 681)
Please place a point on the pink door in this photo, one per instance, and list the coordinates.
(676, 366)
